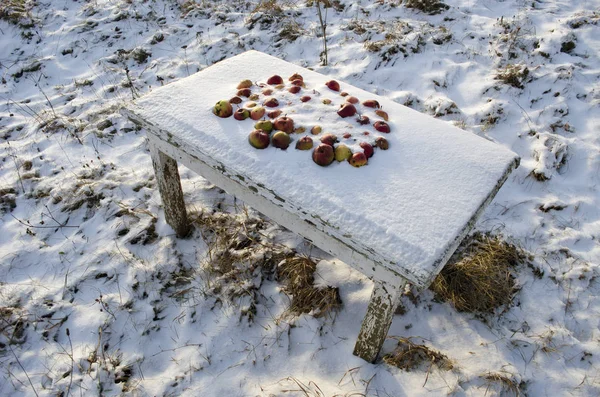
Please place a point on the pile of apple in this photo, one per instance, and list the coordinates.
(259, 102)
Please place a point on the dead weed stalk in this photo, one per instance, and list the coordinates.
(409, 355)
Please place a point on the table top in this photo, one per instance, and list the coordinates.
(409, 204)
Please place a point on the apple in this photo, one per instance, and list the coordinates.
(347, 135)
(280, 86)
(299, 130)
(298, 82)
(382, 114)
(326, 101)
(280, 140)
(342, 152)
(258, 139)
(241, 114)
(271, 102)
(273, 114)
(352, 99)
(382, 126)
(371, 103)
(323, 155)
(333, 85)
(223, 109)
(254, 97)
(257, 113)
(366, 133)
(245, 84)
(367, 149)
(267, 91)
(347, 110)
(274, 80)
(305, 98)
(358, 159)
(251, 104)
(236, 100)
(344, 93)
(294, 89)
(296, 76)
(362, 120)
(304, 143)
(264, 125)
(382, 143)
(284, 124)
(329, 139)
(244, 92)
(316, 130)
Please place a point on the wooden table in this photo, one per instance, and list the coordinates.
(397, 220)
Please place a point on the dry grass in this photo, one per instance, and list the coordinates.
(514, 75)
(478, 277)
(15, 10)
(508, 386)
(298, 274)
(431, 7)
(409, 355)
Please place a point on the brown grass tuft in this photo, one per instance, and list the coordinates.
(478, 277)
(298, 273)
(408, 356)
(508, 385)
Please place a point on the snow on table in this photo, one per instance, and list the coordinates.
(410, 204)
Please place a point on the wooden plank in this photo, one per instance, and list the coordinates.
(377, 322)
(169, 186)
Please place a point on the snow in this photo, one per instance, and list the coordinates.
(78, 203)
(408, 204)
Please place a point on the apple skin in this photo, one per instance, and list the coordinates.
(305, 98)
(352, 99)
(371, 103)
(347, 135)
(316, 130)
(367, 149)
(382, 143)
(249, 105)
(267, 91)
(275, 80)
(333, 85)
(223, 109)
(254, 97)
(264, 125)
(344, 93)
(241, 114)
(296, 76)
(273, 114)
(294, 89)
(259, 139)
(244, 84)
(298, 82)
(257, 113)
(329, 139)
(347, 110)
(284, 124)
(382, 114)
(271, 102)
(304, 143)
(281, 140)
(244, 92)
(362, 120)
(382, 126)
(358, 159)
(342, 153)
(323, 155)
(236, 100)
(326, 101)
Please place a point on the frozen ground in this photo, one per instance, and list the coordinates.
(98, 297)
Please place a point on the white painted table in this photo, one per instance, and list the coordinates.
(397, 220)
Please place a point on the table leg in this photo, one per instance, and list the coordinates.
(169, 186)
(375, 326)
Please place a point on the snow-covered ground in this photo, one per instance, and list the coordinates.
(97, 295)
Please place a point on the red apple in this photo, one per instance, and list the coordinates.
(280, 140)
(304, 143)
(347, 110)
(367, 149)
(223, 109)
(267, 91)
(296, 76)
(358, 159)
(271, 102)
(273, 114)
(241, 114)
(362, 120)
(274, 80)
(323, 155)
(344, 93)
(236, 100)
(244, 92)
(382, 143)
(294, 89)
(352, 99)
(298, 82)
(284, 124)
(347, 135)
(329, 139)
(257, 113)
(305, 98)
(333, 85)
(258, 139)
(245, 84)
(382, 126)
(371, 103)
